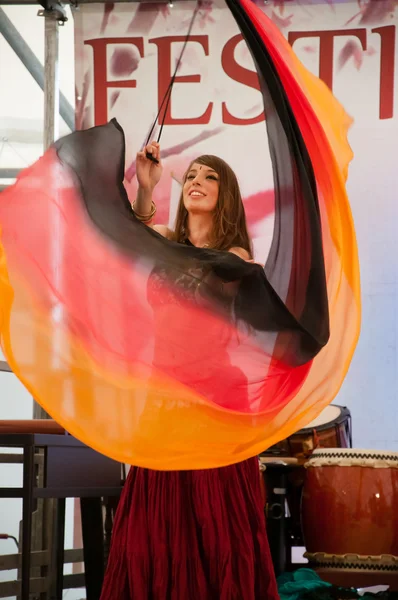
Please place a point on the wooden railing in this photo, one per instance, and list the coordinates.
(39, 585)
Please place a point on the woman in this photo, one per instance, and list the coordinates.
(193, 535)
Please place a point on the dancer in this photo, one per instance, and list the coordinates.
(193, 534)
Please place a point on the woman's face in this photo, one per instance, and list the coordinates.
(201, 188)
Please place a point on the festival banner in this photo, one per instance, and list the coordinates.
(126, 54)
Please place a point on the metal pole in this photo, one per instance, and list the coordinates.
(51, 80)
(51, 105)
(53, 15)
(33, 65)
(9, 173)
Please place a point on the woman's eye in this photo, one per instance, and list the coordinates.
(190, 177)
(212, 177)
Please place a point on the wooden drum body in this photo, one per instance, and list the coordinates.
(350, 511)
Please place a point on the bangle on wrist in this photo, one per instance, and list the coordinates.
(148, 217)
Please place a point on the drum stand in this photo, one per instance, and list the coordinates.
(276, 486)
(280, 523)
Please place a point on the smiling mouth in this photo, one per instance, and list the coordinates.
(196, 195)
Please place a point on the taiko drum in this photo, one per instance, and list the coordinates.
(350, 509)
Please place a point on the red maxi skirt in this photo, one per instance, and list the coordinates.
(191, 535)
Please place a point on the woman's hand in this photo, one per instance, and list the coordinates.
(149, 172)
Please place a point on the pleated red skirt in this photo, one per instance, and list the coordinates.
(191, 535)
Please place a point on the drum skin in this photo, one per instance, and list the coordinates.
(331, 429)
(350, 503)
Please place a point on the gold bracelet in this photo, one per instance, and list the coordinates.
(145, 218)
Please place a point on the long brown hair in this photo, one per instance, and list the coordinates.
(229, 224)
